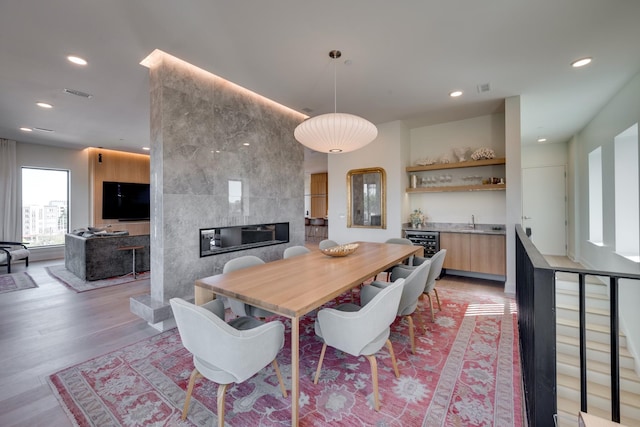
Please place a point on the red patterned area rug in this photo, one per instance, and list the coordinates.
(70, 280)
(465, 372)
(15, 282)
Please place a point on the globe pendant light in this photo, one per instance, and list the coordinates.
(335, 132)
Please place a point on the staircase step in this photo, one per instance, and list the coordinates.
(568, 412)
(596, 316)
(571, 297)
(595, 332)
(598, 390)
(602, 378)
(601, 405)
(598, 367)
(595, 351)
(570, 282)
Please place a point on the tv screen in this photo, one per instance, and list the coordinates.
(125, 201)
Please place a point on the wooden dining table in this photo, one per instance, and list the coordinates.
(295, 286)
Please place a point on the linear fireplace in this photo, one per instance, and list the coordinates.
(218, 240)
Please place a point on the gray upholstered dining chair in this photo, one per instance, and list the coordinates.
(414, 282)
(361, 331)
(225, 353)
(294, 251)
(238, 307)
(399, 241)
(436, 261)
(326, 244)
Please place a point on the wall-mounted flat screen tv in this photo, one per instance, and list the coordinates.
(126, 201)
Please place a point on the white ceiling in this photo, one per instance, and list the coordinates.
(405, 57)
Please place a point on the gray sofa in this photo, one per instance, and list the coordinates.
(98, 257)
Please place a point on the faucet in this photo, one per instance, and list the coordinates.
(473, 221)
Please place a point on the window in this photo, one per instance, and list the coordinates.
(45, 206)
(627, 195)
(595, 197)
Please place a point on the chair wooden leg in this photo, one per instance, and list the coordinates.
(374, 380)
(222, 390)
(438, 299)
(393, 358)
(412, 335)
(324, 348)
(192, 380)
(277, 369)
(433, 318)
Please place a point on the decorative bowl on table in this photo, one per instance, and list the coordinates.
(341, 250)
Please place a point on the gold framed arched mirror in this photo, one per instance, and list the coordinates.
(366, 198)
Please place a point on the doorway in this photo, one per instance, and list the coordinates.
(544, 208)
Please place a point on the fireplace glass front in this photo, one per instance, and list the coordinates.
(218, 240)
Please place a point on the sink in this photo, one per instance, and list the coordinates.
(479, 229)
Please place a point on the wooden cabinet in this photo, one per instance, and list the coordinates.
(319, 195)
(457, 246)
(487, 253)
(457, 183)
(479, 253)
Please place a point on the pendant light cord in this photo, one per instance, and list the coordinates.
(335, 90)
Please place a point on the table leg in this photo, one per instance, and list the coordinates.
(295, 373)
(202, 295)
(134, 263)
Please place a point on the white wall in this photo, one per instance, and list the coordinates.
(438, 141)
(398, 147)
(536, 155)
(619, 114)
(388, 151)
(513, 153)
(73, 160)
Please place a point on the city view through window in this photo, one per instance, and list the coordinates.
(45, 206)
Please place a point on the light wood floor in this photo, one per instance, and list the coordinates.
(48, 328)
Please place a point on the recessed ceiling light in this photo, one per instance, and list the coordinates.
(44, 105)
(146, 148)
(580, 62)
(246, 144)
(455, 93)
(25, 129)
(77, 60)
(542, 139)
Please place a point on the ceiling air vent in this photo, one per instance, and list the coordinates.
(44, 129)
(78, 93)
(484, 87)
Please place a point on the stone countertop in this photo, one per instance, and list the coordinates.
(453, 227)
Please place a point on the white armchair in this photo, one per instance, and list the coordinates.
(414, 284)
(294, 251)
(12, 252)
(238, 307)
(436, 262)
(225, 353)
(326, 244)
(408, 261)
(361, 331)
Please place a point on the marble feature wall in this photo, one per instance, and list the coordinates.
(203, 175)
